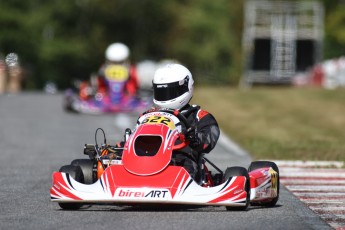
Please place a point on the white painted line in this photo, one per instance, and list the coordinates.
(337, 164)
(326, 209)
(292, 169)
(287, 181)
(231, 145)
(123, 121)
(333, 216)
(319, 194)
(317, 188)
(328, 202)
(311, 174)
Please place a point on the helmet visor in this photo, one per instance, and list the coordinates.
(169, 91)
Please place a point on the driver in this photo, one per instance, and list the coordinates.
(173, 89)
(116, 67)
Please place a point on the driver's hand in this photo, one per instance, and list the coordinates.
(151, 110)
(192, 136)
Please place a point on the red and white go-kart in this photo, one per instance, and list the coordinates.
(141, 173)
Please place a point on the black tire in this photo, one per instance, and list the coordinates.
(263, 164)
(69, 99)
(76, 173)
(238, 171)
(87, 167)
(67, 104)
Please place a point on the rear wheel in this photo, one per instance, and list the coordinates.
(264, 164)
(76, 173)
(239, 171)
(86, 166)
(67, 103)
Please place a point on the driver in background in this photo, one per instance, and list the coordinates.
(116, 67)
(173, 89)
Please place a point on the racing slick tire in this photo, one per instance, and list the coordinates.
(69, 101)
(86, 166)
(67, 104)
(238, 171)
(76, 173)
(263, 164)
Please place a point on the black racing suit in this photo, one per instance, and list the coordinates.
(206, 132)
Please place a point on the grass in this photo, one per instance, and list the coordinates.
(280, 122)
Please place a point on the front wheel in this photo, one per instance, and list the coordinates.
(68, 102)
(266, 164)
(87, 167)
(76, 173)
(238, 171)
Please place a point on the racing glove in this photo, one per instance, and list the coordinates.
(192, 136)
(151, 110)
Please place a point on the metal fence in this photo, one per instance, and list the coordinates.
(281, 39)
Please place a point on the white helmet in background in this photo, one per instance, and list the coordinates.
(172, 86)
(117, 52)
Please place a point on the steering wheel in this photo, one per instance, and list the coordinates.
(178, 114)
(174, 112)
(184, 120)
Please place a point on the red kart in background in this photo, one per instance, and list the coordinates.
(107, 95)
(141, 173)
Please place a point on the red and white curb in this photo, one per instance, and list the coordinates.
(320, 185)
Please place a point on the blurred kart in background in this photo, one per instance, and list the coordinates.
(104, 103)
(86, 98)
(141, 171)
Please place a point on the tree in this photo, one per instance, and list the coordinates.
(207, 37)
(334, 32)
(65, 40)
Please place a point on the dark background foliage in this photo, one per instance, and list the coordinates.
(64, 40)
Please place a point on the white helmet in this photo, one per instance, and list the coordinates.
(117, 52)
(172, 86)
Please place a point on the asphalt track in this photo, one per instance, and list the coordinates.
(37, 137)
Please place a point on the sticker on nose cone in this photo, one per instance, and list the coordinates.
(145, 194)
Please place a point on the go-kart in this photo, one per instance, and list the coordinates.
(84, 98)
(101, 103)
(140, 171)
